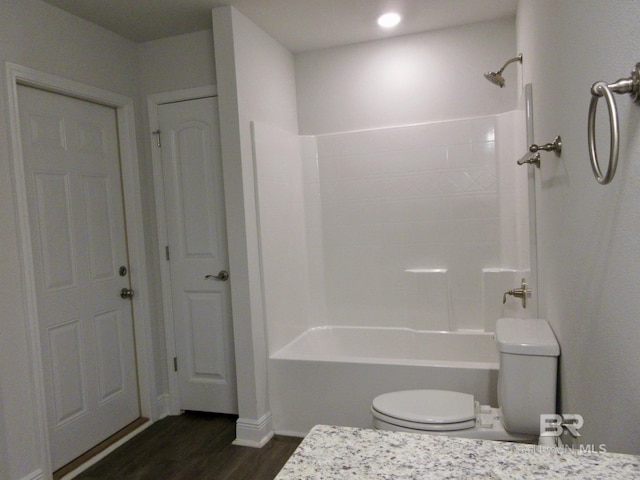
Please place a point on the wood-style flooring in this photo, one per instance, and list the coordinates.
(192, 446)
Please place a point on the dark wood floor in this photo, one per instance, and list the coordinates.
(193, 446)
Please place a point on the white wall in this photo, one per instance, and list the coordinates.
(176, 63)
(39, 36)
(255, 83)
(433, 76)
(589, 253)
(4, 461)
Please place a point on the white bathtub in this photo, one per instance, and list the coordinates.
(330, 375)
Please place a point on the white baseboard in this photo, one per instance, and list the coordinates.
(163, 407)
(254, 433)
(36, 475)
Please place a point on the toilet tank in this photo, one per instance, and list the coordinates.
(528, 369)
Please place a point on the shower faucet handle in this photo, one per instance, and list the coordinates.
(532, 157)
(555, 146)
(523, 292)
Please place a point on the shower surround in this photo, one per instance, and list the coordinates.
(420, 222)
(420, 226)
(417, 227)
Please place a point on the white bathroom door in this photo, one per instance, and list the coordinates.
(76, 214)
(197, 254)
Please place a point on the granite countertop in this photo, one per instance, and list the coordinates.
(329, 453)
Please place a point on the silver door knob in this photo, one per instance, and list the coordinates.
(223, 276)
(126, 293)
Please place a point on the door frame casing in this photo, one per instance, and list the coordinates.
(153, 102)
(124, 108)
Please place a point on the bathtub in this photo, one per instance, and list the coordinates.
(330, 375)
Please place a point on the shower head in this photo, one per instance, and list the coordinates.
(496, 77)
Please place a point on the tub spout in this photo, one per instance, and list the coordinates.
(531, 158)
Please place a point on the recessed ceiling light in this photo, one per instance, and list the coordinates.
(389, 20)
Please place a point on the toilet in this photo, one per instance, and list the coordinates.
(526, 389)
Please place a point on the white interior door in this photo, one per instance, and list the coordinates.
(196, 231)
(74, 194)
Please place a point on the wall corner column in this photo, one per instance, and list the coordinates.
(254, 427)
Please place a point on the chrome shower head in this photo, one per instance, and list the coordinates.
(496, 77)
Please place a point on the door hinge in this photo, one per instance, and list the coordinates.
(157, 134)
(175, 364)
(166, 252)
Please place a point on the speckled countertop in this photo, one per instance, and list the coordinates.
(332, 453)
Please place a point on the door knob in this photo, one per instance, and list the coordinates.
(126, 293)
(223, 276)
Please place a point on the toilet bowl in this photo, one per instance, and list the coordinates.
(528, 356)
(453, 414)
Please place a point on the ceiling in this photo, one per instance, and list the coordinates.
(299, 25)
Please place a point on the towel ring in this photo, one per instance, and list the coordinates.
(629, 85)
(601, 89)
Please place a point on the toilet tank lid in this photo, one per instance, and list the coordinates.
(526, 337)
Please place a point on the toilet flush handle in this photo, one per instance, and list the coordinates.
(523, 292)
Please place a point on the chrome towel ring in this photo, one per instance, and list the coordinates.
(629, 85)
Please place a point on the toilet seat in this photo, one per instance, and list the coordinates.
(427, 410)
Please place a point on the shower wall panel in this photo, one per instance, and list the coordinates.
(282, 234)
(398, 203)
